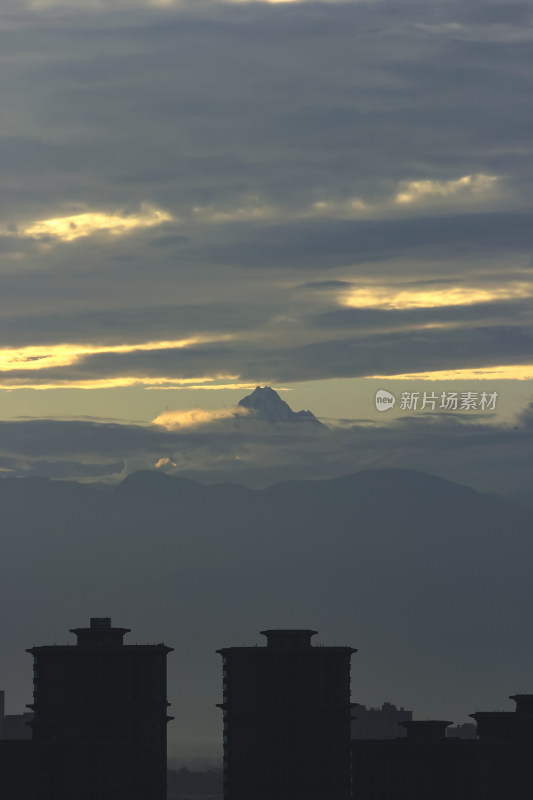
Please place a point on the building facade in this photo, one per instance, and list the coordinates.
(99, 720)
(287, 713)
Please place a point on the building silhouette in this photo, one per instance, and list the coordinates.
(466, 730)
(98, 730)
(13, 726)
(99, 721)
(379, 723)
(495, 765)
(286, 710)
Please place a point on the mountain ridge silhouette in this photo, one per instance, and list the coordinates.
(421, 574)
(266, 404)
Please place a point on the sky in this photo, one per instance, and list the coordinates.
(329, 198)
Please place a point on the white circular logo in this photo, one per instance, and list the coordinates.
(384, 400)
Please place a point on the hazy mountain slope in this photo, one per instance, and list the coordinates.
(429, 579)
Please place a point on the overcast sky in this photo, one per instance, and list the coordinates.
(198, 197)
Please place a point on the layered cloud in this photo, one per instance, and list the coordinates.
(40, 357)
(472, 189)
(212, 196)
(211, 446)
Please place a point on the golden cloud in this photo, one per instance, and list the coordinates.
(214, 387)
(42, 358)
(387, 297)
(124, 381)
(69, 228)
(418, 190)
(164, 462)
(64, 355)
(195, 417)
(508, 372)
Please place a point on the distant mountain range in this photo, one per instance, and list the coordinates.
(266, 404)
(429, 579)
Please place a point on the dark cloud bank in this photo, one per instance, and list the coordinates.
(473, 450)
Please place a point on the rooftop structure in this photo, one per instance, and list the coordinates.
(287, 711)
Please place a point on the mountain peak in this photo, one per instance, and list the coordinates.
(266, 404)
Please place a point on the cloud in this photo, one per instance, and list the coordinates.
(164, 462)
(327, 244)
(72, 227)
(468, 188)
(106, 5)
(196, 417)
(212, 387)
(410, 342)
(183, 172)
(414, 191)
(508, 372)
(480, 453)
(525, 417)
(397, 297)
(42, 357)
(17, 365)
(124, 381)
(251, 210)
(496, 32)
(35, 438)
